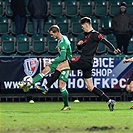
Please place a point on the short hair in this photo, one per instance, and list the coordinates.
(85, 20)
(54, 28)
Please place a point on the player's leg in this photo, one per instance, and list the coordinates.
(99, 92)
(37, 78)
(41, 75)
(62, 86)
(56, 75)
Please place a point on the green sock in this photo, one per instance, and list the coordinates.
(65, 94)
(38, 78)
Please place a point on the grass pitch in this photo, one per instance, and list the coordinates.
(46, 117)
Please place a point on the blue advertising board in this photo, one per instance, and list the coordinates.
(107, 73)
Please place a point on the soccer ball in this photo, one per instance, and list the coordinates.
(28, 80)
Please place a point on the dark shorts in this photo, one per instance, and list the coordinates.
(130, 79)
(83, 65)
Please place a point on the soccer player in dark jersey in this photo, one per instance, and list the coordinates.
(129, 86)
(89, 46)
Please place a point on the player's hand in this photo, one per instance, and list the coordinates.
(125, 60)
(117, 51)
(80, 42)
(48, 63)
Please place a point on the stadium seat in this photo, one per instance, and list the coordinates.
(95, 23)
(130, 9)
(101, 49)
(56, 9)
(74, 19)
(73, 43)
(114, 9)
(8, 10)
(50, 21)
(38, 44)
(29, 28)
(115, 2)
(71, 8)
(64, 27)
(4, 24)
(105, 25)
(76, 28)
(1, 8)
(130, 47)
(52, 47)
(86, 10)
(101, 10)
(23, 44)
(112, 39)
(8, 44)
(46, 27)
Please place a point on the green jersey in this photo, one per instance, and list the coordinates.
(64, 49)
(65, 53)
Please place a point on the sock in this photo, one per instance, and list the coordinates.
(101, 94)
(38, 78)
(54, 77)
(65, 95)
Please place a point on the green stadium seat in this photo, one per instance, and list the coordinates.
(8, 44)
(8, 10)
(101, 49)
(4, 25)
(130, 9)
(64, 27)
(29, 28)
(105, 24)
(130, 47)
(71, 8)
(112, 39)
(73, 43)
(38, 44)
(101, 10)
(114, 9)
(76, 28)
(46, 27)
(23, 44)
(95, 23)
(56, 10)
(52, 47)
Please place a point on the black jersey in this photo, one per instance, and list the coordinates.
(90, 45)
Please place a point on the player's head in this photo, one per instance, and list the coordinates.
(54, 31)
(85, 20)
(86, 24)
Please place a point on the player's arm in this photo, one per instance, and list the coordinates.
(62, 56)
(110, 45)
(128, 60)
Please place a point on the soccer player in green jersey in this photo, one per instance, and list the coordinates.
(65, 53)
